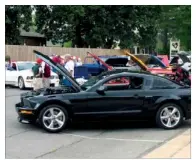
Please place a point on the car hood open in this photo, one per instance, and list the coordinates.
(151, 60)
(62, 70)
(184, 58)
(164, 59)
(100, 61)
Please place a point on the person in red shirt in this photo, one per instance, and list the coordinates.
(46, 73)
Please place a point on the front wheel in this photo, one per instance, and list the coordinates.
(169, 116)
(53, 118)
(21, 84)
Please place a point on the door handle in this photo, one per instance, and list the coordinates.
(136, 96)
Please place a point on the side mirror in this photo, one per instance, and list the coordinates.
(101, 90)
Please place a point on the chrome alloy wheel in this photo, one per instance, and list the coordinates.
(170, 116)
(21, 83)
(53, 118)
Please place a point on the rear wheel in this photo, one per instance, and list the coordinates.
(53, 118)
(169, 116)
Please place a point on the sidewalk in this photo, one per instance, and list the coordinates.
(179, 147)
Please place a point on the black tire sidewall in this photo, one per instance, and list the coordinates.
(21, 79)
(53, 106)
(158, 120)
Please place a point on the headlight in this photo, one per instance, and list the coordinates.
(29, 77)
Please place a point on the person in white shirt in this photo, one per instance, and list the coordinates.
(69, 64)
(132, 65)
(79, 62)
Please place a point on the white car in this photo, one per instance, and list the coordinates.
(20, 75)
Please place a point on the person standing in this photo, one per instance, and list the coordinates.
(79, 62)
(46, 73)
(57, 60)
(69, 64)
(131, 64)
(37, 74)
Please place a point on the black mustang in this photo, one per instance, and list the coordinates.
(112, 94)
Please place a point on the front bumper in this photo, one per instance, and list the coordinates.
(25, 114)
(188, 115)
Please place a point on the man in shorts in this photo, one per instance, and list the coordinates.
(37, 74)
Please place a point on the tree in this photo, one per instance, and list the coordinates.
(98, 26)
(175, 22)
(16, 17)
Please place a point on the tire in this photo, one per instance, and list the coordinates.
(161, 120)
(21, 84)
(45, 124)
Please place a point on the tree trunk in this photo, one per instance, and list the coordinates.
(78, 40)
(109, 43)
(165, 41)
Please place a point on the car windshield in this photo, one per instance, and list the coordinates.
(25, 66)
(92, 81)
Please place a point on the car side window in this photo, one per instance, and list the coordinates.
(136, 83)
(119, 83)
(160, 83)
(125, 83)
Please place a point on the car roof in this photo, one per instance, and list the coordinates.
(132, 73)
(124, 71)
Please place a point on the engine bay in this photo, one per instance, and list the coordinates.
(48, 91)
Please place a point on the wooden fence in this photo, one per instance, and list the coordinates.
(25, 53)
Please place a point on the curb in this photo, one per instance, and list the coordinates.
(178, 147)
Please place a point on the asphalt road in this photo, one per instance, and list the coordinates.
(90, 140)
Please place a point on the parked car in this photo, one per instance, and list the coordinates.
(140, 95)
(160, 70)
(182, 60)
(147, 63)
(93, 65)
(20, 74)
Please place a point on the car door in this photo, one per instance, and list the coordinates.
(8, 74)
(119, 98)
(12, 74)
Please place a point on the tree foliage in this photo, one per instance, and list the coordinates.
(103, 26)
(16, 17)
(98, 26)
(175, 22)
